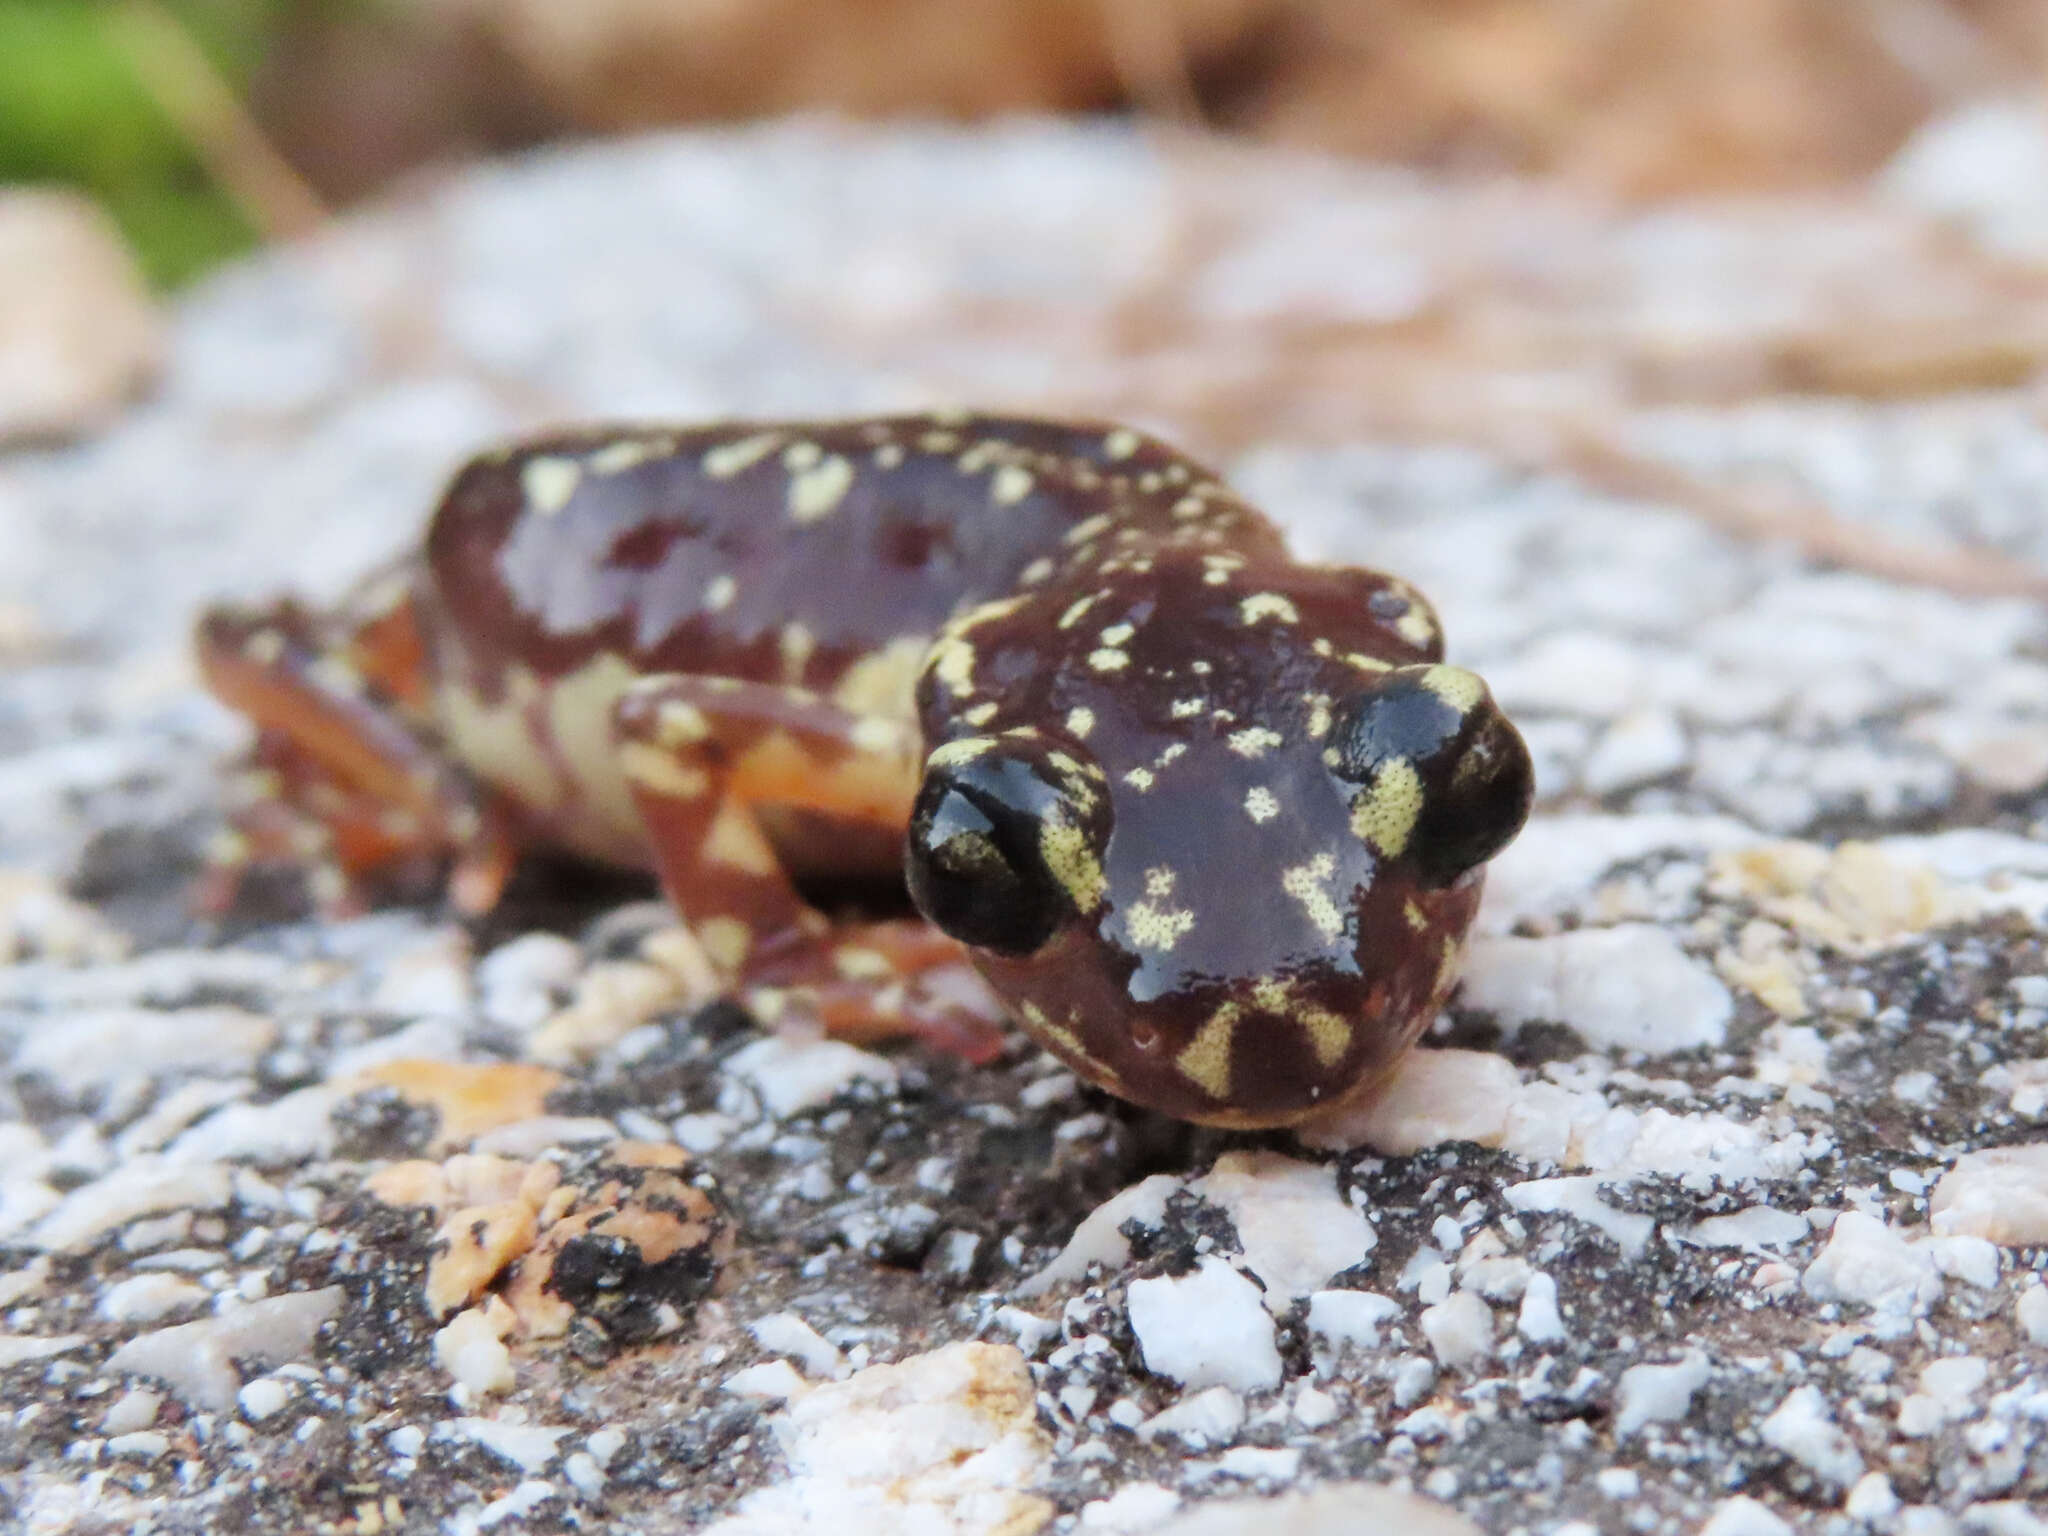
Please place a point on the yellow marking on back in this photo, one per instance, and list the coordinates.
(628, 453)
(952, 660)
(1108, 659)
(884, 681)
(1010, 485)
(726, 940)
(1139, 779)
(1080, 721)
(1037, 571)
(881, 735)
(729, 459)
(1268, 605)
(801, 455)
(965, 750)
(889, 455)
(549, 482)
(816, 492)
(1120, 444)
(1079, 606)
(1416, 626)
(1383, 814)
(579, 718)
(1205, 1061)
(719, 593)
(1261, 804)
(735, 841)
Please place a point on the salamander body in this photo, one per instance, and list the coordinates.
(1210, 821)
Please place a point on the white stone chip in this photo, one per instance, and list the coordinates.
(470, 1350)
(1657, 1394)
(1539, 1321)
(1433, 1097)
(22, 1348)
(134, 1409)
(775, 1380)
(142, 1186)
(530, 1447)
(1205, 1418)
(1872, 1499)
(2031, 1312)
(197, 1360)
(265, 1398)
(1207, 1328)
(1459, 1329)
(784, 1333)
(146, 1298)
(1099, 1240)
(1336, 1509)
(791, 1076)
(518, 981)
(1133, 1507)
(1870, 1264)
(1628, 987)
(1758, 1227)
(1744, 1516)
(1803, 1428)
(2000, 1195)
(1581, 1198)
(1355, 1318)
(942, 1442)
(1295, 1229)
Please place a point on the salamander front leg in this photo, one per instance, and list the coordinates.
(703, 756)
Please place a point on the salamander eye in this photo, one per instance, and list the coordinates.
(1444, 779)
(1001, 850)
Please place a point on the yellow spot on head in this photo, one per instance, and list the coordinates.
(1318, 717)
(1067, 853)
(1139, 779)
(953, 661)
(1416, 626)
(1087, 529)
(1189, 507)
(1108, 659)
(817, 491)
(1187, 709)
(627, 453)
(1254, 741)
(1268, 605)
(800, 456)
(1156, 926)
(1076, 608)
(1383, 814)
(549, 482)
(1120, 444)
(982, 713)
(729, 459)
(1080, 722)
(1159, 882)
(1260, 804)
(1010, 485)
(736, 842)
(1305, 883)
(1117, 634)
(1205, 1061)
(1328, 1035)
(1458, 688)
(965, 750)
(678, 724)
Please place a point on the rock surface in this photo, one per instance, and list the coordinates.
(1718, 1205)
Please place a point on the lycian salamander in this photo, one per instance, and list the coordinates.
(1210, 821)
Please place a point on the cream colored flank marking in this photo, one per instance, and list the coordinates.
(1120, 444)
(797, 644)
(1010, 485)
(1206, 1060)
(1458, 688)
(651, 768)
(1037, 571)
(939, 442)
(1254, 741)
(1117, 634)
(877, 733)
(982, 713)
(1152, 923)
(1187, 709)
(1189, 507)
(1383, 814)
(1366, 663)
(679, 724)
(1073, 863)
(579, 717)
(1328, 1035)
(729, 459)
(1150, 482)
(801, 456)
(1260, 804)
(884, 682)
(1304, 882)
(816, 492)
(1139, 779)
(965, 750)
(1080, 722)
(627, 453)
(495, 742)
(1075, 609)
(990, 612)
(736, 842)
(889, 455)
(1268, 605)
(549, 482)
(953, 662)
(726, 940)
(1087, 529)
(1215, 578)
(856, 962)
(719, 593)
(334, 674)
(1108, 659)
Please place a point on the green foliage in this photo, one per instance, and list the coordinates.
(72, 110)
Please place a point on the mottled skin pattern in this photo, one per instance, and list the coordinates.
(1211, 822)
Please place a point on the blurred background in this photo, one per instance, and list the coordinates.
(205, 126)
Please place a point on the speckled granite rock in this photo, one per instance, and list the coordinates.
(1718, 1207)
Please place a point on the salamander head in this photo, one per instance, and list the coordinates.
(1237, 906)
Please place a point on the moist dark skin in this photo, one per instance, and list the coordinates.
(1211, 822)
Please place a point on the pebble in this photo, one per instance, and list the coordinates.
(197, 1360)
(1459, 1329)
(470, 1350)
(1207, 1418)
(147, 1298)
(1657, 1394)
(1629, 987)
(792, 1076)
(1206, 1328)
(2000, 1195)
(1804, 1429)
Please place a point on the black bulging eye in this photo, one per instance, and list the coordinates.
(1470, 762)
(974, 861)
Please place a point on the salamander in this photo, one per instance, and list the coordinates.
(1210, 821)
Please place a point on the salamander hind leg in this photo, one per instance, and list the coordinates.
(710, 763)
(338, 784)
